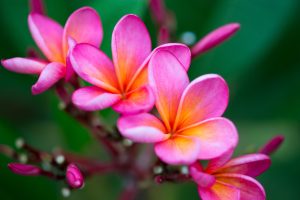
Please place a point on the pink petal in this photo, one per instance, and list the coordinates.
(204, 98)
(168, 80)
(84, 26)
(131, 44)
(202, 179)
(249, 188)
(250, 165)
(271, 146)
(94, 66)
(69, 69)
(215, 38)
(142, 128)
(216, 135)
(219, 191)
(180, 51)
(48, 36)
(178, 150)
(92, 98)
(218, 162)
(24, 65)
(51, 74)
(137, 101)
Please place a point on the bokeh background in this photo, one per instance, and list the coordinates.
(261, 64)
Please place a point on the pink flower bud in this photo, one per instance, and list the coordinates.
(37, 6)
(74, 176)
(24, 169)
(158, 10)
(215, 38)
(272, 145)
(163, 35)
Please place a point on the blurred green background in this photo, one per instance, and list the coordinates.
(261, 65)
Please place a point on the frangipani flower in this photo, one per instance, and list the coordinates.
(190, 127)
(123, 83)
(225, 179)
(83, 25)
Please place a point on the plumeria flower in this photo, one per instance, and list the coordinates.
(225, 179)
(84, 25)
(123, 83)
(190, 126)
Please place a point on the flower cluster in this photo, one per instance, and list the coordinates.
(186, 125)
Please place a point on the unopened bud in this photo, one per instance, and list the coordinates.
(272, 145)
(36, 6)
(74, 176)
(24, 169)
(215, 38)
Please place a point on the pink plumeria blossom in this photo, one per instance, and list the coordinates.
(74, 176)
(123, 83)
(24, 169)
(225, 179)
(84, 25)
(215, 38)
(190, 127)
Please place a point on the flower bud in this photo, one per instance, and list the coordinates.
(74, 176)
(37, 6)
(24, 169)
(272, 145)
(215, 38)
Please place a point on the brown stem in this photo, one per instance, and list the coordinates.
(175, 178)
(88, 119)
